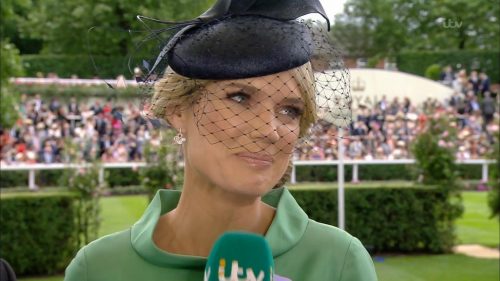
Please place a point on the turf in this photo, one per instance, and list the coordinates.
(475, 226)
(418, 268)
(438, 268)
(120, 212)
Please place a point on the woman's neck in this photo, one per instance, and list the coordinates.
(206, 212)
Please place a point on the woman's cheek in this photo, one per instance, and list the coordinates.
(288, 138)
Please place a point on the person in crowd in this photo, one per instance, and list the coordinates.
(73, 107)
(484, 84)
(488, 109)
(394, 107)
(240, 102)
(461, 81)
(447, 76)
(475, 82)
(455, 100)
(383, 104)
(54, 105)
(96, 107)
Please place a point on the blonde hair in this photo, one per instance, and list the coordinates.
(175, 92)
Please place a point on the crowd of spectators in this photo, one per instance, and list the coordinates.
(101, 129)
(386, 130)
(114, 131)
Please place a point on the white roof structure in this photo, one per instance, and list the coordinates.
(369, 85)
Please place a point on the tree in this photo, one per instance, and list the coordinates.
(370, 28)
(494, 194)
(13, 13)
(451, 24)
(63, 25)
(162, 170)
(10, 65)
(385, 27)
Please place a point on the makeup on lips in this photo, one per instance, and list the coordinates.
(257, 160)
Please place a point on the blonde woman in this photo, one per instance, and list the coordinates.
(241, 91)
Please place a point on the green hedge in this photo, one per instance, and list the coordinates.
(81, 65)
(365, 173)
(378, 172)
(20, 178)
(418, 62)
(110, 67)
(388, 219)
(38, 232)
(113, 177)
(122, 177)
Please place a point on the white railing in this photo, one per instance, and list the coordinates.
(70, 81)
(355, 165)
(31, 168)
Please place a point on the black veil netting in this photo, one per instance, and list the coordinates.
(256, 74)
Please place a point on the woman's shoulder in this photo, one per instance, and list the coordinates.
(328, 253)
(106, 252)
(328, 238)
(327, 233)
(111, 243)
(343, 249)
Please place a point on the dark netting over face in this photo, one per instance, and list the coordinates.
(243, 99)
(257, 114)
(252, 74)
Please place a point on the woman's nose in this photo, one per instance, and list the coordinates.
(265, 125)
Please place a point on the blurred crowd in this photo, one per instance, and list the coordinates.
(386, 130)
(115, 131)
(101, 129)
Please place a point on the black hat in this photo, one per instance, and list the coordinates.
(242, 38)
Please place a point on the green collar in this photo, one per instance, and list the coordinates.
(285, 232)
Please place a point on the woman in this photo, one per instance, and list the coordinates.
(240, 91)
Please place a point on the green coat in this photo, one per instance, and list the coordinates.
(303, 250)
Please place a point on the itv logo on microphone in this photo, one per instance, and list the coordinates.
(237, 272)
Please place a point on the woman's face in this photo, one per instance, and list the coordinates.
(241, 133)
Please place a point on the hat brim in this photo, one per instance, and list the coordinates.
(241, 47)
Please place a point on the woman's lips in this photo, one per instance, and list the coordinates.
(256, 159)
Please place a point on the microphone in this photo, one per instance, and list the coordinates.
(240, 256)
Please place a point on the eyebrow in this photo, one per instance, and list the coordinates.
(248, 89)
(294, 101)
(251, 90)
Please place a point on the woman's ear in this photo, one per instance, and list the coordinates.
(177, 120)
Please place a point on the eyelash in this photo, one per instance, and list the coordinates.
(294, 112)
(232, 96)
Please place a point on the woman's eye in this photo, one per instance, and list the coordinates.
(238, 97)
(291, 111)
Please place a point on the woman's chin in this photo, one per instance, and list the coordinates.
(251, 187)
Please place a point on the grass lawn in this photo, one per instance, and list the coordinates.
(120, 212)
(475, 226)
(437, 268)
(419, 268)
